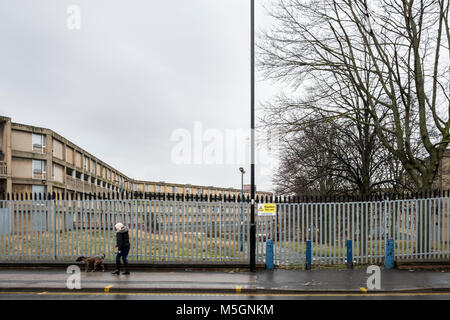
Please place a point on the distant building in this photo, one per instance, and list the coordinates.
(442, 180)
(38, 160)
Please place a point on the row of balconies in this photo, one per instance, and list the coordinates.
(3, 169)
(42, 149)
(84, 186)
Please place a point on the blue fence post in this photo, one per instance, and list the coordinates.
(349, 254)
(389, 262)
(308, 255)
(269, 254)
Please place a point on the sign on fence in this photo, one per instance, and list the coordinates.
(267, 209)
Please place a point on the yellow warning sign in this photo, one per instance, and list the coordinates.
(267, 209)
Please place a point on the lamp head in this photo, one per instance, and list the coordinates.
(241, 170)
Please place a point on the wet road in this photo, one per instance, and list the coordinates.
(209, 296)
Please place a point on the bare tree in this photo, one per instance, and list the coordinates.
(307, 165)
(394, 55)
(325, 155)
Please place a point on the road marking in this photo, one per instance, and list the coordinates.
(107, 288)
(417, 294)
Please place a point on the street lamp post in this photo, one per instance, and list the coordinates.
(241, 238)
(252, 138)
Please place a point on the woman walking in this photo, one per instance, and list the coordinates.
(123, 247)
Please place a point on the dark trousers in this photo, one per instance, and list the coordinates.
(124, 255)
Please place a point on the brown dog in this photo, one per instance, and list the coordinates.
(97, 260)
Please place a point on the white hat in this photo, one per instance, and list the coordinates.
(119, 226)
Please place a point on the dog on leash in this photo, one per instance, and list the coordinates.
(96, 260)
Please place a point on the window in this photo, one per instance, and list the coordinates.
(39, 169)
(174, 189)
(38, 141)
(135, 187)
(146, 188)
(158, 188)
(188, 190)
(86, 164)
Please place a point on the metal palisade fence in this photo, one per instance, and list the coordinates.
(212, 230)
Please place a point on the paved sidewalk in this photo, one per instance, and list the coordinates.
(277, 281)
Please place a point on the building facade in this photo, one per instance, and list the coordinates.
(38, 160)
(442, 180)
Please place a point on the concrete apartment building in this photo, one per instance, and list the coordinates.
(38, 160)
(442, 181)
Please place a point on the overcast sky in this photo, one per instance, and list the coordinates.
(134, 73)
